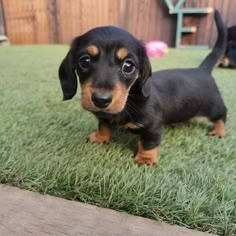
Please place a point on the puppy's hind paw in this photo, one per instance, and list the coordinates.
(218, 130)
(216, 133)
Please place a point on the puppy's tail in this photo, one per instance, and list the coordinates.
(218, 51)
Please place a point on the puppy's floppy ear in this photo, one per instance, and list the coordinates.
(145, 74)
(68, 77)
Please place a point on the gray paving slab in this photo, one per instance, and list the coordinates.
(24, 213)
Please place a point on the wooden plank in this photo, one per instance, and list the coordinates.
(66, 20)
(19, 30)
(230, 14)
(212, 32)
(191, 23)
(41, 22)
(27, 213)
(204, 24)
(154, 28)
(53, 21)
(167, 27)
(27, 21)
(122, 13)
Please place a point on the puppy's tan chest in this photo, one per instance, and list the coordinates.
(131, 125)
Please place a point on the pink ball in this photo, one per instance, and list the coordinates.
(156, 48)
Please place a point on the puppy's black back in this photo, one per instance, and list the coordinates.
(186, 93)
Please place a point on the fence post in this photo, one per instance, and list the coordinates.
(3, 37)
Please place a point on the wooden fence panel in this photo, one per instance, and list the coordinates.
(227, 10)
(2, 25)
(26, 21)
(194, 20)
(58, 21)
(19, 21)
(77, 17)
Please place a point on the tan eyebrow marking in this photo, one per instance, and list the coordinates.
(122, 53)
(92, 50)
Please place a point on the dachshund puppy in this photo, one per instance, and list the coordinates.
(229, 59)
(118, 87)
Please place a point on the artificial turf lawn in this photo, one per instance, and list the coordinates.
(43, 148)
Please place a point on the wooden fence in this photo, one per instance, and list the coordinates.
(58, 21)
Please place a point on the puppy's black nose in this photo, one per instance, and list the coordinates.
(101, 100)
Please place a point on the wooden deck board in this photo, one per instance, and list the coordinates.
(24, 213)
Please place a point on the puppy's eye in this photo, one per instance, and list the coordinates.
(84, 62)
(128, 66)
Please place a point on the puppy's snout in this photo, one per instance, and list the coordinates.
(101, 100)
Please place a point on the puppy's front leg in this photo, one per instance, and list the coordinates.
(148, 147)
(103, 135)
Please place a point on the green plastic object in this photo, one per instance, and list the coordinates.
(176, 9)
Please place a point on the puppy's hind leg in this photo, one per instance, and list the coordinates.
(219, 124)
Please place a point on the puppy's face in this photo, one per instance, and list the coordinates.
(108, 62)
(106, 72)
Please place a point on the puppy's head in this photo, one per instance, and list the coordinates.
(108, 62)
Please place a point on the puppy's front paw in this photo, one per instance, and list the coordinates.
(146, 157)
(97, 138)
(103, 135)
(145, 160)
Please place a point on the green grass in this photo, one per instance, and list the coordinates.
(43, 148)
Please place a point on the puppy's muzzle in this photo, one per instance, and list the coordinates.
(101, 99)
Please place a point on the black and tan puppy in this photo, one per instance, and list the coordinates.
(229, 58)
(118, 87)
